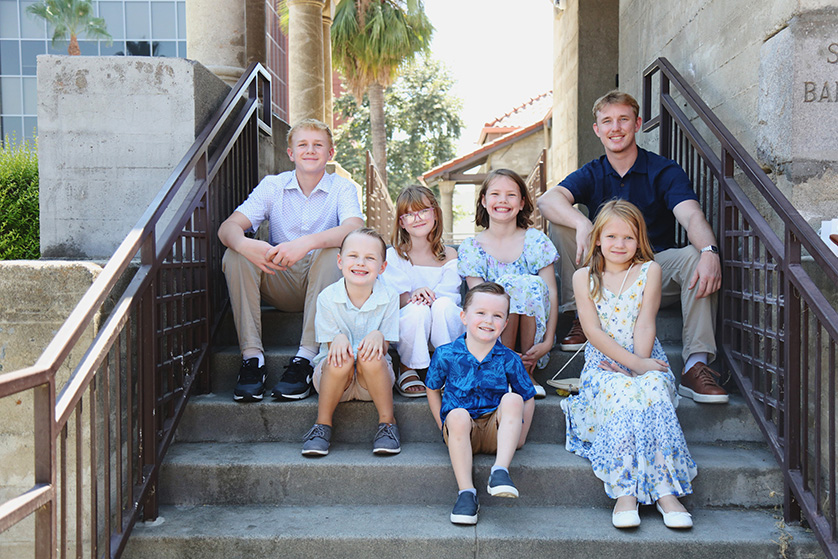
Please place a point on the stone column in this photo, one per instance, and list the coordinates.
(446, 203)
(328, 94)
(305, 60)
(225, 35)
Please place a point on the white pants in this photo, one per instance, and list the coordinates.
(438, 323)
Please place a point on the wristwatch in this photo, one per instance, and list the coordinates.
(710, 248)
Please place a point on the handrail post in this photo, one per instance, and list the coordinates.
(793, 385)
(665, 130)
(45, 474)
(147, 356)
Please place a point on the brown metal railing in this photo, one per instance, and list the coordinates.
(777, 330)
(537, 185)
(380, 210)
(99, 444)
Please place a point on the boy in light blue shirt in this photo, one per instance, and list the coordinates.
(478, 412)
(357, 317)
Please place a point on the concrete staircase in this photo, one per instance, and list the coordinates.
(235, 485)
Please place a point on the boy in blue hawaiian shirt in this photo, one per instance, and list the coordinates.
(477, 413)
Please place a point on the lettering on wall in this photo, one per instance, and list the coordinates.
(823, 91)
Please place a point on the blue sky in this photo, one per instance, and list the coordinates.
(499, 52)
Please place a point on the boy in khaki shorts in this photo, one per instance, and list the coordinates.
(357, 318)
(477, 413)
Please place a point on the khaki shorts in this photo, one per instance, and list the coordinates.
(484, 434)
(354, 391)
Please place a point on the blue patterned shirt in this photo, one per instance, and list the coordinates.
(476, 386)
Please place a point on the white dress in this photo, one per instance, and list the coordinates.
(438, 323)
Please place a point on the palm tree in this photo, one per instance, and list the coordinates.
(370, 41)
(69, 18)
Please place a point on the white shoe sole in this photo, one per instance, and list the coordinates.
(702, 398)
(571, 347)
(503, 491)
(305, 394)
(381, 451)
(463, 519)
(315, 452)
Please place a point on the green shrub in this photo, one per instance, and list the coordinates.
(19, 213)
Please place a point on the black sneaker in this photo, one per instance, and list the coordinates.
(295, 383)
(465, 509)
(250, 386)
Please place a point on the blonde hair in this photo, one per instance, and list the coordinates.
(366, 232)
(411, 199)
(481, 214)
(628, 212)
(309, 124)
(616, 97)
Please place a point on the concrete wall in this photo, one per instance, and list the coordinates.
(750, 62)
(519, 156)
(111, 129)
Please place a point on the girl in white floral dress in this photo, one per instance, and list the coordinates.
(423, 271)
(519, 258)
(623, 419)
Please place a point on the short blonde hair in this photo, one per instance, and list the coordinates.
(310, 124)
(616, 97)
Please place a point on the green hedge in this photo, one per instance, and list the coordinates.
(19, 225)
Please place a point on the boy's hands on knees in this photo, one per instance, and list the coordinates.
(285, 255)
(372, 346)
(340, 352)
(422, 296)
(257, 252)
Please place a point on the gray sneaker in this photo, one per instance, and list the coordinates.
(316, 441)
(387, 439)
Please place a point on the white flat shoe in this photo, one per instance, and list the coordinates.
(675, 519)
(626, 518)
(539, 391)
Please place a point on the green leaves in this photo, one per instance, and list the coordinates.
(19, 211)
(70, 18)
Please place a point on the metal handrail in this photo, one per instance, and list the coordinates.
(148, 356)
(536, 183)
(777, 331)
(380, 210)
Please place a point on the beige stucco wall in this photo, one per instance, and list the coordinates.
(519, 156)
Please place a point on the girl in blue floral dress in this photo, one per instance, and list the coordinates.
(519, 258)
(623, 419)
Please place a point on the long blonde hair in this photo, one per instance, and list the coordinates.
(628, 212)
(412, 199)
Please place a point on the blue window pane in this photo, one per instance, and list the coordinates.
(31, 27)
(137, 48)
(181, 20)
(8, 19)
(10, 96)
(89, 48)
(30, 96)
(136, 20)
(30, 127)
(10, 58)
(59, 47)
(114, 18)
(181, 49)
(163, 21)
(166, 48)
(117, 47)
(11, 129)
(28, 51)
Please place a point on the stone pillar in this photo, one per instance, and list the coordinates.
(328, 94)
(226, 35)
(446, 203)
(305, 60)
(798, 112)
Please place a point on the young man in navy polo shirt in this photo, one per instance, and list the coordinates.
(662, 191)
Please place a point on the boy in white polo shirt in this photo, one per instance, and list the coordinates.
(310, 213)
(357, 318)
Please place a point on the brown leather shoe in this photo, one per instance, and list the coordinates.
(575, 338)
(701, 384)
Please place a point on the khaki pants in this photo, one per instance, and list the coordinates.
(677, 267)
(293, 290)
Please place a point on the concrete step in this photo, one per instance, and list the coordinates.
(226, 361)
(215, 417)
(413, 531)
(742, 475)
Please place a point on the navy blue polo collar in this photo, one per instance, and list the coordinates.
(641, 164)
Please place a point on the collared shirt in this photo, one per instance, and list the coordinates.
(337, 315)
(476, 386)
(292, 214)
(654, 184)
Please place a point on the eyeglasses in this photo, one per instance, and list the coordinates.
(410, 217)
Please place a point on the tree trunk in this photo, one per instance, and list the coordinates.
(73, 49)
(375, 92)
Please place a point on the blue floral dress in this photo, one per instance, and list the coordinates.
(528, 292)
(626, 426)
